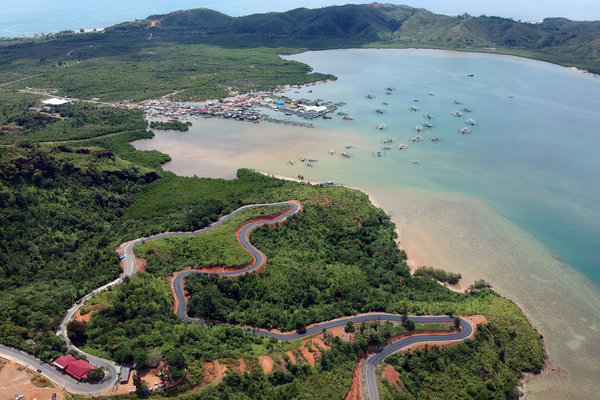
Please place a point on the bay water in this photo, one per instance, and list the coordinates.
(515, 201)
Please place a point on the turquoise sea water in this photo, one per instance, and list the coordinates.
(533, 155)
(515, 202)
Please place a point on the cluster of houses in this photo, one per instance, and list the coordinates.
(252, 107)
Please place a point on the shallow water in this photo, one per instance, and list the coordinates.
(514, 202)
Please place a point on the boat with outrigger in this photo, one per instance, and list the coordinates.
(471, 122)
(435, 139)
(427, 124)
(416, 162)
(388, 140)
(413, 108)
(291, 162)
(464, 131)
(402, 146)
(417, 138)
(379, 111)
(428, 116)
(381, 126)
(458, 114)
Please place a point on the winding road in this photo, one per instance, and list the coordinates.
(130, 268)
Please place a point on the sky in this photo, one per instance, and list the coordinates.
(26, 17)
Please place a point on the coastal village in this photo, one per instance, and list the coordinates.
(251, 107)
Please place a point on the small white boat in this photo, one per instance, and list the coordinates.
(291, 162)
(416, 162)
(402, 146)
(431, 94)
(379, 111)
(418, 128)
(471, 122)
(413, 108)
(428, 116)
(466, 109)
(416, 138)
(464, 131)
(427, 124)
(381, 126)
(346, 155)
(388, 140)
(458, 114)
(387, 147)
(435, 139)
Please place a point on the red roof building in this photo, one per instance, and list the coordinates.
(78, 369)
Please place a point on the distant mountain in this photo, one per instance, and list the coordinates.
(555, 39)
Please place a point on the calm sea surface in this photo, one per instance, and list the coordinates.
(514, 202)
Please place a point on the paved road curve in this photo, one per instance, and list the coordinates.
(259, 259)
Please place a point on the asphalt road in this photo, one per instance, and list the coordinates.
(130, 268)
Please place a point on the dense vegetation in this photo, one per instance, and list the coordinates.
(484, 368)
(57, 213)
(22, 118)
(173, 124)
(439, 275)
(217, 247)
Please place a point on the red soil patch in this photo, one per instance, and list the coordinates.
(154, 22)
(475, 320)
(319, 342)
(87, 316)
(140, 264)
(357, 222)
(241, 368)
(308, 356)
(291, 356)
(391, 375)
(266, 363)
(215, 373)
(355, 392)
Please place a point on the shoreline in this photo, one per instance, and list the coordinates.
(414, 259)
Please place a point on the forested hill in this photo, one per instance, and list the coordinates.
(555, 39)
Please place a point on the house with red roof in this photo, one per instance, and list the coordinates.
(78, 369)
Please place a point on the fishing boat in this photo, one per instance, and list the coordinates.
(370, 96)
(331, 152)
(402, 146)
(416, 138)
(413, 108)
(387, 147)
(388, 140)
(416, 162)
(466, 109)
(457, 114)
(427, 124)
(379, 153)
(471, 122)
(418, 128)
(435, 139)
(344, 154)
(349, 146)
(379, 111)
(308, 164)
(431, 94)
(428, 116)
(291, 162)
(326, 117)
(456, 102)
(464, 130)
(348, 118)
(381, 126)
(303, 159)
(313, 159)
(341, 113)
(470, 75)
(385, 103)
